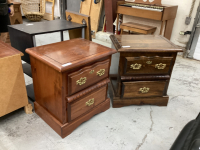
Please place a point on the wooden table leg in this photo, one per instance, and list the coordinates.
(28, 109)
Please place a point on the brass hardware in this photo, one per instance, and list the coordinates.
(81, 81)
(144, 90)
(160, 66)
(90, 102)
(92, 71)
(101, 72)
(149, 62)
(136, 66)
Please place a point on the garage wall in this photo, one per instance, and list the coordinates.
(179, 25)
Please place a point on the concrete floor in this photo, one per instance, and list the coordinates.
(127, 128)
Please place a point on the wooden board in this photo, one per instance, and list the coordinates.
(78, 18)
(88, 7)
(48, 16)
(12, 85)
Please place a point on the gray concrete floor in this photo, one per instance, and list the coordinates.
(127, 128)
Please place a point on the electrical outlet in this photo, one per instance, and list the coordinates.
(182, 33)
(187, 20)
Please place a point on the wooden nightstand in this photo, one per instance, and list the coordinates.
(145, 67)
(70, 82)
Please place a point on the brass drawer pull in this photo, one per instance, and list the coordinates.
(101, 72)
(149, 62)
(136, 66)
(144, 90)
(92, 71)
(81, 81)
(160, 66)
(90, 102)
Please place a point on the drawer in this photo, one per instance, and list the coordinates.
(88, 102)
(143, 89)
(147, 65)
(87, 76)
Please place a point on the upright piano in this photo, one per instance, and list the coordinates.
(150, 10)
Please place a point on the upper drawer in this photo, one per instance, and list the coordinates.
(147, 65)
(143, 89)
(87, 76)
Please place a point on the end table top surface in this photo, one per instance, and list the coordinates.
(143, 43)
(69, 54)
(34, 28)
(6, 50)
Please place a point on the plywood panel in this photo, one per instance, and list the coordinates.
(12, 85)
(88, 7)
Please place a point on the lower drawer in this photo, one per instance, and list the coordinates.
(143, 89)
(87, 102)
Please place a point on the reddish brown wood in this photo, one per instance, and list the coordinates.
(157, 2)
(140, 67)
(90, 72)
(56, 68)
(79, 107)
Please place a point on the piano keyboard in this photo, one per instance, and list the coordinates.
(145, 7)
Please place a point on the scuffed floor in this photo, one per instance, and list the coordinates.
(127, 128)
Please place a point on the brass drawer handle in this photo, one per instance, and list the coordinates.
(90, 102)
(149, 62)
(92, 71)
(101, 72)
(160, 66)
(81, 81)
(136, 66)
(144, 90)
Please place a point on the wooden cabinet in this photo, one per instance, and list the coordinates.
(12, 84)
(70, 82)
(145, 66)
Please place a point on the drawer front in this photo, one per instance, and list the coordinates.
(88, 102)
(147, 65)
(88, 76)
(143, 89)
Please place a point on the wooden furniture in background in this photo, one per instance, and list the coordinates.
(12, 83)
(137, 28)
(81, 19)
(145, 67)
(48, 16)
(88, 7)
(164, 13)
(110, 13)
(70, 82)
(17, 18)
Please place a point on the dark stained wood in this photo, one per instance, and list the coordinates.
(146, 65)
(168, 14)
(143, 43)
(138, 28)
(90, 73)
(132, 89)
(58, 99)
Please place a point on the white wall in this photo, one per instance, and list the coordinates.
(179, 25)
